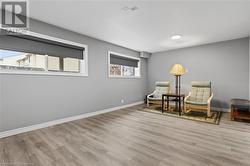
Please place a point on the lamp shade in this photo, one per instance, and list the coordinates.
(177, 70)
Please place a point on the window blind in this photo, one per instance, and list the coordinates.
(119, 60)
(35, 45)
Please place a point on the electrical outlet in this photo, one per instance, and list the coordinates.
(122, 101)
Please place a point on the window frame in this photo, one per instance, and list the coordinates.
(127, 56)
(83, 70)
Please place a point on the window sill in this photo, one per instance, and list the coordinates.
(43, 73)
(126, 77)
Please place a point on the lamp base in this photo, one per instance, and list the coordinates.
(177, 84)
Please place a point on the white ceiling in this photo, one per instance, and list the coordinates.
(150, 27)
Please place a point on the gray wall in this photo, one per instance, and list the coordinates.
(1, 105)
(30, 99)
(249, 68)
(225, 64)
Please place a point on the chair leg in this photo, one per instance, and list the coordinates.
(208, 112)
(185, 108)
(147, 103)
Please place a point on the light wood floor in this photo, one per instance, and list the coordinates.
(131, 137)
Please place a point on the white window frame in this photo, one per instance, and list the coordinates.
(83, 70)
(122, 55)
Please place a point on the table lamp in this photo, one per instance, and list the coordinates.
(177, 70)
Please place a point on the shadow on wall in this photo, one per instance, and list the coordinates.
(185, 88)
(219, 104)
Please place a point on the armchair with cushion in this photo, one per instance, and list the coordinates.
(156, 96)
(199, 98)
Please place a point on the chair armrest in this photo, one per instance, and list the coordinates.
(186, 98)
(150, 95)
(209, 99)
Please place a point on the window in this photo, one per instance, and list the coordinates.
(128, 71)
(32, 55)
(115, 70)
(123, 65)
(12, 60)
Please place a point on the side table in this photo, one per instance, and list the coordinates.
(177, 98)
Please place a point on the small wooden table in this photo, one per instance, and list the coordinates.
(240, 109)
(178, 98)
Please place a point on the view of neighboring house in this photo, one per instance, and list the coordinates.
(33, 61)
(28, 61)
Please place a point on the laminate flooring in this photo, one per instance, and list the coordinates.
(130, 137)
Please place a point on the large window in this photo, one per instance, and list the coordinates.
(32, 55)
(12, 60)
(123, 66)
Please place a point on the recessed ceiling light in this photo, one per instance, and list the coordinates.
(134, 8)
(176, 37)
(126, 8)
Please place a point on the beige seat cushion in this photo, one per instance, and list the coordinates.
(160, 88)
(159, 91)
(200, 92)
(154, 99)
(196, 102)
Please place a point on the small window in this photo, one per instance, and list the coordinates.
(123, 65)
(32, 55)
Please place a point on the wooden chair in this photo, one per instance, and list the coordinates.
(199, 98)
(156, 96)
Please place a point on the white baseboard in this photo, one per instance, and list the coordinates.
(64, 120)
(221, 109)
